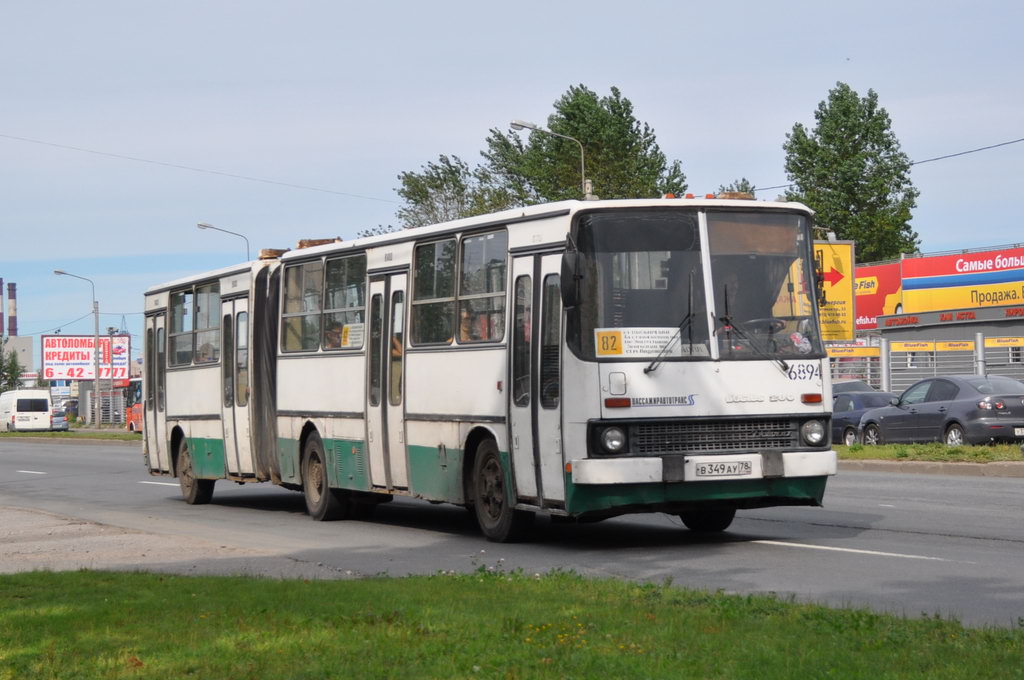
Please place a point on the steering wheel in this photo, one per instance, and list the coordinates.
(770, 323)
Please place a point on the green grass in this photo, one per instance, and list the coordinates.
(486, 624)
(933, 452)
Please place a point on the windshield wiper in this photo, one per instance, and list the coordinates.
(657, 361)
(731, 327)
(684, 323)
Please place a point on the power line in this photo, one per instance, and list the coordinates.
(194, 169)
(964, 153)
(926, 160)
(56, 328)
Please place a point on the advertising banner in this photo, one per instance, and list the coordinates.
(879, 292)
(835, 262)
(71, 357)
(963, 281)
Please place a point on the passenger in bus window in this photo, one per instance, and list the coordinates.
(466, 326)
(333, 336)
(207, 353)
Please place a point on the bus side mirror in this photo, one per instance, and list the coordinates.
(570, 279)
(819, 287)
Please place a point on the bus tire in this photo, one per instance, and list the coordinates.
(492, 499)
(707, 521)
(322, 502)
(195, 491)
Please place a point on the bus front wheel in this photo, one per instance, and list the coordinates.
(493, 500)
(322, 502)
(711, 520)
(195, 491)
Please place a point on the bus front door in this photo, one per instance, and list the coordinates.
(535, 379)
(385, 407)
(235, 392)
(155, 427)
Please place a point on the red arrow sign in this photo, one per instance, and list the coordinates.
(834, 276)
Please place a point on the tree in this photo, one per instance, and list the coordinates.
(851, 171)
(10, 369)
(741, 185)
(376, 231)
(621, 156)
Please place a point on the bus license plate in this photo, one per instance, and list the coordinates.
(725, 468)
(1018, 431)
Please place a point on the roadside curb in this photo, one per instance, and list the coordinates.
(997, 469)
(74, 440)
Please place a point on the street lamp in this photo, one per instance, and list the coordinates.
(205, 225)
(95, 346)
(586, 184)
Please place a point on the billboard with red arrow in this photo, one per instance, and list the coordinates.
(834, 260)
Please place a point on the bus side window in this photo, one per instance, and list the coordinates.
(433, 293)
(482, 287)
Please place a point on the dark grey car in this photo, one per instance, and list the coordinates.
(848, 407)
(955, 409)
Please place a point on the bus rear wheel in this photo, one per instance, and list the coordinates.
(493, 501)
(195, 491)
(708, 521)
(322, 502)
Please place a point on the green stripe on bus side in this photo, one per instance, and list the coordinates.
(207, 457)
(584, 498)
(349, 468)
(436, 475)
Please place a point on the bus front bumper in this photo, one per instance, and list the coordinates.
(647, 470)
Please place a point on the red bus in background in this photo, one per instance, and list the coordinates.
(133, 405)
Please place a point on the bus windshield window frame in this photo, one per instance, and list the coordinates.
(643, 277)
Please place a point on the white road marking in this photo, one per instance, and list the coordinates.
(30, 472)
(851, 550)
(885, 505)
(161, 483)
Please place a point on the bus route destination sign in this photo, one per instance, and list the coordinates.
(642, 342)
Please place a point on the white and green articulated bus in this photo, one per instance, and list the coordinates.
(579, 359)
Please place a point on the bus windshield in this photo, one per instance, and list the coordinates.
(643, 294)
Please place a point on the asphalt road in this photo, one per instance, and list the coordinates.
(903, 543)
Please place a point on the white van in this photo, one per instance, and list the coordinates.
(25, 410)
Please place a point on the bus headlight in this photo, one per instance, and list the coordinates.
(813, 432)
(613, 439)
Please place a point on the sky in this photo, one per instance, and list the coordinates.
(291, 120)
